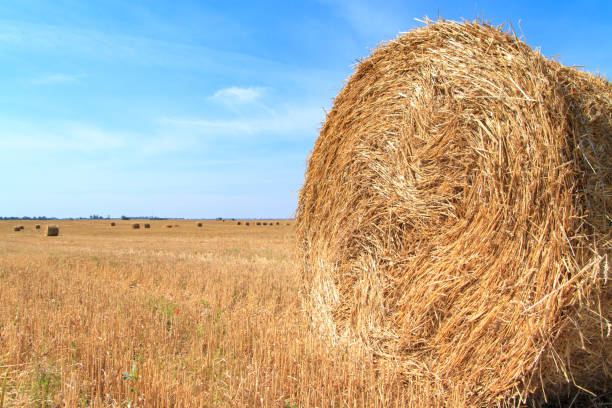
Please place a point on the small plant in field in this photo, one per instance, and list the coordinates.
(132, 377)
(289, 405)
(44, 384)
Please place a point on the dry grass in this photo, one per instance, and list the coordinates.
(105, 317)
(455, 218)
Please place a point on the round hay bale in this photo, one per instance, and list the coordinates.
(112, 224)
(168, 226)
(37, 226)
(247, 223)
(52, 231)
(238, 223)
(199, 224)
(258, 223)
(17, 228)
(135, 226)
(147, 225)
(455, 217)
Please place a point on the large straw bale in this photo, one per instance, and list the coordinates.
(455, 218)
(52, 231)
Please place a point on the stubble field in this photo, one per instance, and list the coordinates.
(105, 316)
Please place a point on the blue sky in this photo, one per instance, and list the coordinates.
(206, 109)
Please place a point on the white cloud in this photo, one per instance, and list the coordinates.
(51, 79)
(235, 95)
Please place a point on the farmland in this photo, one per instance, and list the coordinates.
(105, 316)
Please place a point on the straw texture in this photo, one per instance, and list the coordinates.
(455, 218)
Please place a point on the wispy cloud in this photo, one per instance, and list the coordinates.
(293, 122)
(65, 137)
(117, 47)
(52, 79)
(236, 95)
(369, 19)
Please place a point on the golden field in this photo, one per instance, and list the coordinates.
(105, 316)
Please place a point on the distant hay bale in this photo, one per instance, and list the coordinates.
(168, 226)
(199, 224)
(52, 231)
(265, 223)
(455, 218)
(247, 223)
(238, 223)
(37, 226)
(135, 226)
(17, 228)
(112, 224)
(258, 223)
(277, 223)
(147, 225)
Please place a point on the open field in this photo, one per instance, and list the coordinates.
(184, 316)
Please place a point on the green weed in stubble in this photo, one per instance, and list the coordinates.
(165, 309)
(44, 384)
(132, 378)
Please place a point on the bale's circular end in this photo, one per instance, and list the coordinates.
(455, 216)
(52, 231)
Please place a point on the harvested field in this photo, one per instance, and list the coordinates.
(196, 320)
(455, 219)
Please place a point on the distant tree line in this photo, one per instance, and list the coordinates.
(28, 218)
